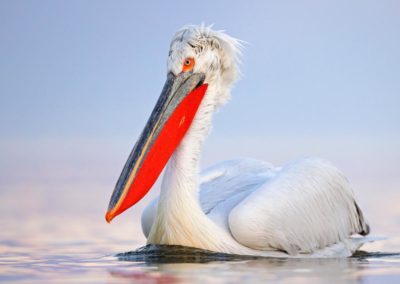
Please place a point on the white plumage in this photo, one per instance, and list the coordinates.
(304, 209)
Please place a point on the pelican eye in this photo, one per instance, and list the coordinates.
(188, 64)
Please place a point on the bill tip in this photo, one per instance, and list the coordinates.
(109, 216)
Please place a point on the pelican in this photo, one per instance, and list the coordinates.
(305, 208)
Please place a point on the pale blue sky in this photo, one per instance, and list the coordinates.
(79, 78)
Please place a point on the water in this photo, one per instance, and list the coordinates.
(58, 235)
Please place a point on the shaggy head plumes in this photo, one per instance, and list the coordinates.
(215, 54)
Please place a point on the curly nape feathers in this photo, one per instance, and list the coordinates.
(221, 52)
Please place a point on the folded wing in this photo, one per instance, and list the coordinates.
(308, 205)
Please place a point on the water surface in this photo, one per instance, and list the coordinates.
(59, 236)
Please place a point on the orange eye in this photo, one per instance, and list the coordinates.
(188, 64)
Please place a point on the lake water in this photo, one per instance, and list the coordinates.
(56, 233)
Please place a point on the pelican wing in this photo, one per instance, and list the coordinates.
(229, 178)
(307, 206)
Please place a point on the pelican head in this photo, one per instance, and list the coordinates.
(213, 53)
(202, 66)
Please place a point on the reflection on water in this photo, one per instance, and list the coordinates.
(43, 241)
(261, 270)
(53, 266)
(177, 254)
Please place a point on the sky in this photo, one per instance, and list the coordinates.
(78, 80)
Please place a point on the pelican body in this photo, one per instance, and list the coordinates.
(305, 208)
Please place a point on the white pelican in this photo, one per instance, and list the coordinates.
(305, 208)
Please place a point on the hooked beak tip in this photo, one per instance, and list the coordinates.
(109, 217)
